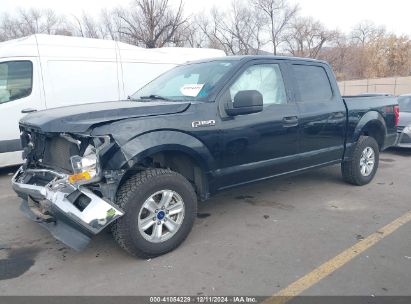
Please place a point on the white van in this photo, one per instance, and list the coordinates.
(43, 71)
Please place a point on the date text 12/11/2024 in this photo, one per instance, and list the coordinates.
(204, 299)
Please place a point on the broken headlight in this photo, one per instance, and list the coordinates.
(85, 168)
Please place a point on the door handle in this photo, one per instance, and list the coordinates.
(338, 115)
(28, 110)
(290, 121)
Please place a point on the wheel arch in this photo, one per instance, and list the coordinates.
(173, 150)
(372, 124)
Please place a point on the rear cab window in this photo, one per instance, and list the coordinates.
(16, 80)
(312, 83)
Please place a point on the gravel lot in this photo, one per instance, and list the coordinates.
(254, 240)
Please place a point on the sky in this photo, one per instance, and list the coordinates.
(395, 15)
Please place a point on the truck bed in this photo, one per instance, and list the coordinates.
(379, 106)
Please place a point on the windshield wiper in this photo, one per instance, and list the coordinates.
(153, 96)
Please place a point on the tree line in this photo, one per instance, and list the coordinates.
(246, 27)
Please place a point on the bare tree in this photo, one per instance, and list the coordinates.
(246, 28)
(212, 29)
(398, 56)
(337, 54)
(109, 25)
(87, 27)
(365, 32)
(151, 23)
(238, 31)
(8, 29)
(388, 56)
(191, 35)
(278, 14)
(31, 21)
(307, 37)
(28, 22)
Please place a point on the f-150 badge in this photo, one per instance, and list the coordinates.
(203, 123)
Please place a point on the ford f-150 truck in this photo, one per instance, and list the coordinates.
(140, 166)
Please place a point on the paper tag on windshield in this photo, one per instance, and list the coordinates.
(191, 89)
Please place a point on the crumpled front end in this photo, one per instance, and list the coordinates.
(64, 200)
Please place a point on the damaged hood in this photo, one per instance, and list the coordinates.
(79, 118)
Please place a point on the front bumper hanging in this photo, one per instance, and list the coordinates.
(71, 213)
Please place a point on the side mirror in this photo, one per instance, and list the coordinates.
(246, 102)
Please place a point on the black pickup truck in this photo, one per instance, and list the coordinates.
(140, 166)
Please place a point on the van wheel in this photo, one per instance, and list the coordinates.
(361, 169)
(159, 210)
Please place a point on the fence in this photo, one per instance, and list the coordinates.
(393, 85)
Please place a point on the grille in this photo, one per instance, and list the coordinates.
(52, 151)
(58, 151)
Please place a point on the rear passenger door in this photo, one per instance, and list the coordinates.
(322, 114)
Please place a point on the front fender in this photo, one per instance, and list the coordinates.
(150, 143)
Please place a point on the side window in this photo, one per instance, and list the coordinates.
(16, 80)
(312, 83)
(265, 78)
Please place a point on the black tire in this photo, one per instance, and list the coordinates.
(131, 197)
(351, 170)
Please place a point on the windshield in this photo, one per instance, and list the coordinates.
(404, 103)
(192, 81)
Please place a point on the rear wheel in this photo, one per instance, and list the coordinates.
(362, 167)
(160, 207)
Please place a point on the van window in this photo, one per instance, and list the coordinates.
(266, 79)
(16, 80)
(312, 84)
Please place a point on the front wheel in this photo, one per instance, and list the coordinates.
(362, 167)
(160, 207)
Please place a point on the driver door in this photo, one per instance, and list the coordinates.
(264, 144)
